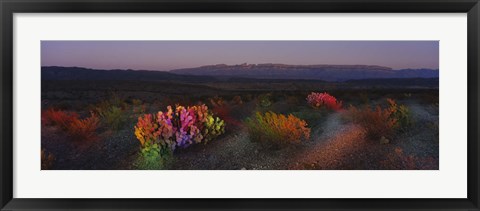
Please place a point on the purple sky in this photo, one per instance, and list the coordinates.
(167, 55)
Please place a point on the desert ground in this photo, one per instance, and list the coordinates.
(335, 142)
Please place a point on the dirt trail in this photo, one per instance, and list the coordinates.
(332, 147)
(333, 125)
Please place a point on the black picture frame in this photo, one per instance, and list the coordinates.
(9, 7)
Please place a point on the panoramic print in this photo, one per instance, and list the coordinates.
(239, 105)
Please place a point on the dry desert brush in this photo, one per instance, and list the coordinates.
(70, 122)
(380, 122)
(273, 129)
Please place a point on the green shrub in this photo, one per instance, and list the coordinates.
(214, 127)
(401, 113)
(153, 157)
(113, 117)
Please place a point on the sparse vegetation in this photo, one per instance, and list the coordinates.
(248, 125)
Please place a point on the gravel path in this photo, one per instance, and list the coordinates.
(344, 146)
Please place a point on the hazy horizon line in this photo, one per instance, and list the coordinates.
(167, 70)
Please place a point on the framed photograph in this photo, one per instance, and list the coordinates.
(252, 105)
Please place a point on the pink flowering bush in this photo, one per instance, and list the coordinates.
(179, 127)
(161, 134)
(319, 100)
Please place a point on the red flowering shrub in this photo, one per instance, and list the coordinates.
(319, 100)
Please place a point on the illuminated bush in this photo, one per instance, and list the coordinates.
(153, 157)
(185, 124)
(214, 127)
(323, 100)
(277, 129)
(146, 130)
(182, 127)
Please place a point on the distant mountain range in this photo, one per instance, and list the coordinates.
(212, 73)
(80, 73)
(308, 72)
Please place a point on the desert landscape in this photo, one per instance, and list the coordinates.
(245, 116)
(397, 125)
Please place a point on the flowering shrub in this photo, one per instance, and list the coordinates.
(185, 125)
(84, 129)
(58, 118)
(145, 130)
(178, 128)
(276, 129)
(319, 100)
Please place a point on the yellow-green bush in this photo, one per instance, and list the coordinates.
(113, 117)
(277, 129)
